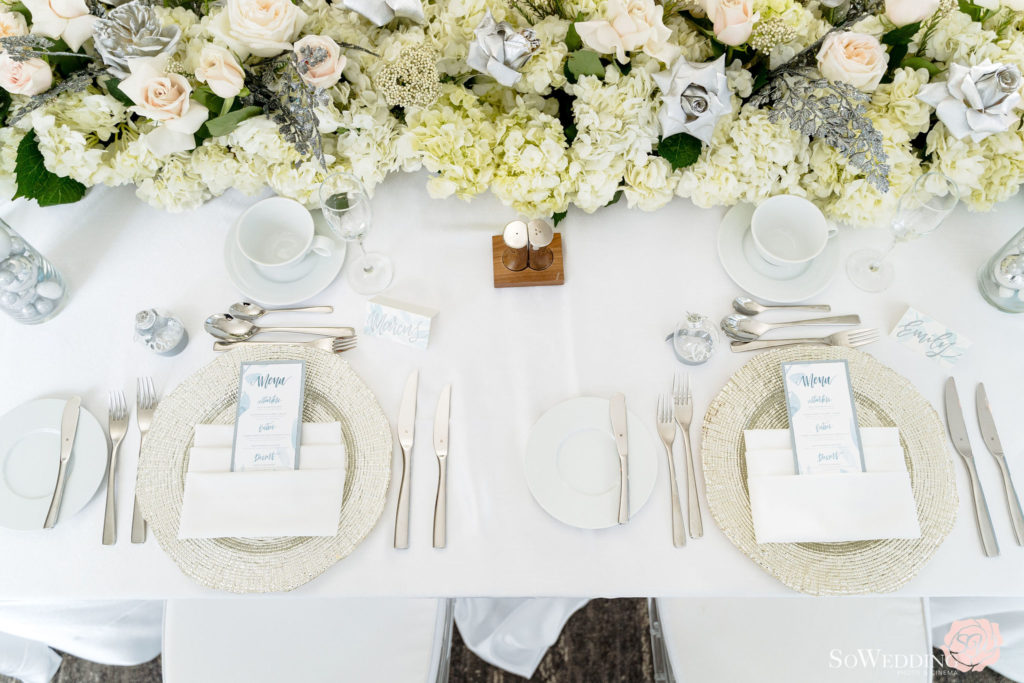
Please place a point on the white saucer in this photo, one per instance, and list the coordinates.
(572, 465)
(760, 278)
(30, 456)
(252, 284)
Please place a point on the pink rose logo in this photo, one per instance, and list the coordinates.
(972, 644)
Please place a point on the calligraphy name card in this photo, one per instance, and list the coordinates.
(930, 338)
(398, 321)
(269, 420)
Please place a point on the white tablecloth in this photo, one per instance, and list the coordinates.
(510, 354)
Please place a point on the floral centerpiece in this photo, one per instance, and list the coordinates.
(546, 103)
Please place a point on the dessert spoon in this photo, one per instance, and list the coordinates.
(744, 328)
(747, 306)
(226, 326)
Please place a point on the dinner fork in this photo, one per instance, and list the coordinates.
(667, 432)
(145, 406)
(849, 338)
(683, 400)
(330, 344)
(117, 425)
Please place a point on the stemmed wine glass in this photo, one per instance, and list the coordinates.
(346, 208)
(922, 209)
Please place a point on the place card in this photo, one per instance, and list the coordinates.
(268, 425)
(822, 417)
(930, 338)
(398, 321)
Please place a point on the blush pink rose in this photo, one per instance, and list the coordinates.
(903, 12)
(327, 72)
(854, 58)
(219, 69)
(30, 77)
(629, 25)
(733, 20)
(12, 24)
(972, 644)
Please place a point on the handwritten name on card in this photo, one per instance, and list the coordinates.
(398, 321)
(930, 338)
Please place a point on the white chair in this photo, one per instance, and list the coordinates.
(1007, 613)
(790, 640)
(274, 639)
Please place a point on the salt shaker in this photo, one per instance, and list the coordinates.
(516, 246)
(694, 340)
(160, 332)
(31, 289)
(1001, 279)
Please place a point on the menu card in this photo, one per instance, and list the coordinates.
(822, 417)
(268, 426)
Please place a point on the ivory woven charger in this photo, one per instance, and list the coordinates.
(754, 398)
(254, 565)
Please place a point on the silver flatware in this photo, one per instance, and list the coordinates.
(850, 339)
(745, 328)
(145, 407)
(667, 433)
(226, 326)
(246, 310)
(617, 412)
(987, 424)
(406, 428)
(68, 429)
(958, 433)
(441, 450)
(117, 425)
(683, 399)
(329, 344)
(747, 306)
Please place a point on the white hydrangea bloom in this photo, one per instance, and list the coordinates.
(896, 109)
(10, 138)
(544, 70)
(532, 164)
(650, 185)
(175, 188)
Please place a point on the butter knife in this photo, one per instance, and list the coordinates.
(988, 430)
(68, 429)
(406, 427)
(617, 411)
(441, 449)
(958, 432)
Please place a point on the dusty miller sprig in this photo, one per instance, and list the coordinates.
(76, 82)
(24, 48)
(536, 10)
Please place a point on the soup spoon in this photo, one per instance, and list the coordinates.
(246, 310)
(744, 328)
(747, 306)
(225, 326)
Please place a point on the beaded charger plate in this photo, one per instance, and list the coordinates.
(256, 565)
(754, 398)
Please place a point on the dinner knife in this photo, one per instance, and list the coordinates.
(988, 430)
(68, 429)
(618, 416)
(441, 449)
(406, 427)
(958, 432)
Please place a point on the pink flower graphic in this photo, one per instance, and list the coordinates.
(972, 644)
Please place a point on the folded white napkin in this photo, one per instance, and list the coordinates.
(304, 502)
(823, 508)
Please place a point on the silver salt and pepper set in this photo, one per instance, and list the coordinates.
(527, 245)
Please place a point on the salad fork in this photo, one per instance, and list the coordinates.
(330, 344)
(684, 415)
(145, 406)
(850, 339)
(117, 425)
(667, 432)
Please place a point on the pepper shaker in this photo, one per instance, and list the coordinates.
(540, 236)
(160, 333)
(516, 254)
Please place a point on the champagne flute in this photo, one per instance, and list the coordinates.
(919, 211)
(346, 207)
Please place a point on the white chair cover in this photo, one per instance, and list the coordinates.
(1008, 613)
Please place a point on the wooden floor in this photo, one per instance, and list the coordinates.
(605, 642)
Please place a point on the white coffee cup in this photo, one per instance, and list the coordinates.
(789, 232)
(277, 235)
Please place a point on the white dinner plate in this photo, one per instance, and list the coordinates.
(252, 284)
(758, 277)
(30, 457)
(572, 465)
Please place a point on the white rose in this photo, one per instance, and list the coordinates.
(67, 19)
(219, 69)
(30, 77)
(12, 24)
(635, 25)
(264, 28)
(164, 97)
(853, 58)
(733, 19)
(903, 12)
(327, 71)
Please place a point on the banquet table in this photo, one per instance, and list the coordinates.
(510, 354)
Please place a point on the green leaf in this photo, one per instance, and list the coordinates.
(20, 8)
(585, 63)
(896, 56)
(116, 92)
(680, 150)
(902, 35)
(572, 38)
(558, 217)
(922, 63)
(222, 125)
(975, 12)
(206, 97)
(36, 182)
(615, 199)
(5, 104)
(63, 65)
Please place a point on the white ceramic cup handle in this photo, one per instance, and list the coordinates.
(323, 246)
(833, 230)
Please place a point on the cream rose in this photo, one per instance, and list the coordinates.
(67, 19)
(327, 71)
(733, 19)
(30, 77)
(164, 97)
(258, 27)
(12, 24)
(635, 25)
(219, 69)
(854, 58)
(903, 12)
